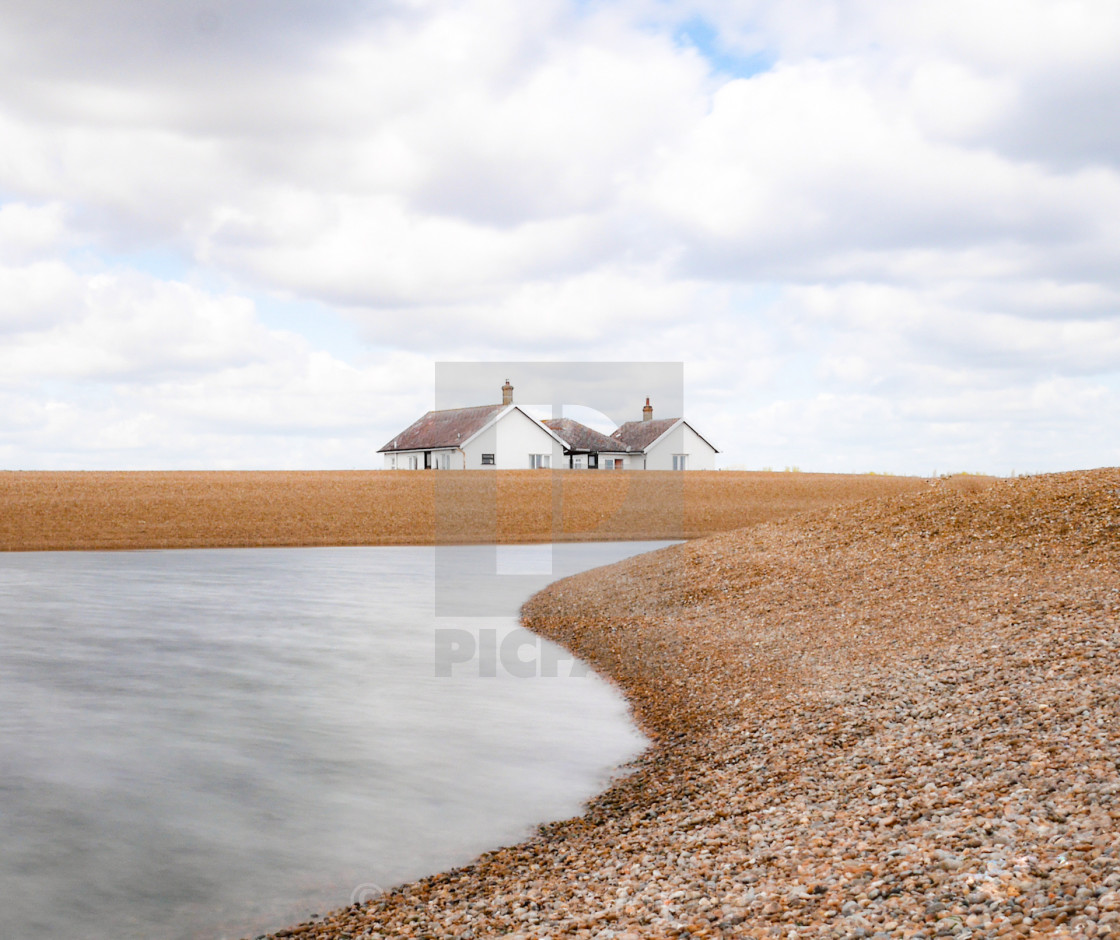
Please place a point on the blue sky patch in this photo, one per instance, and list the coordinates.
(705, 39)
(325, 329)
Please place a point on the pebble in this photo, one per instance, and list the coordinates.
(896, 719)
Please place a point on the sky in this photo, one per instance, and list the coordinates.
(876, 236)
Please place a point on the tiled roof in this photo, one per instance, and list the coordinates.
(443, 428)
(579, 437)
(640, 434)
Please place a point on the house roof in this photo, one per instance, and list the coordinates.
(640, 434)
(448, 428)
(579, 437)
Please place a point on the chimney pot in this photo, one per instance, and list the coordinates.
(647, 411)
(507, 393)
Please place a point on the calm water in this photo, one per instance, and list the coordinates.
(214, 743)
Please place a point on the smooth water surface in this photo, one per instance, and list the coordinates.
(212, 743)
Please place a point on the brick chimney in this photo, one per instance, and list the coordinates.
(647, 411)
(507, 393)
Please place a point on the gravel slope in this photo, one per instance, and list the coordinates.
(896, 719)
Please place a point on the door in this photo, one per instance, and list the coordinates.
(427, 460)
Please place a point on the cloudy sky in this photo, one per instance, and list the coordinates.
(878, 235)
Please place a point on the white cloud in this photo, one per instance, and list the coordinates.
(127, 370)
(43, 292)
(29, 231)
(375, 251)
(898, 232)
(107, 327)
(806, 163)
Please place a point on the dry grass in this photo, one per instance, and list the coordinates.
(94, 510)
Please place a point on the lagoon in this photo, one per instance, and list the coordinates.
(216, 743)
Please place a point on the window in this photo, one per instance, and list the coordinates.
(413, 462)
(487, 460)
(608, 463)
(540, 461)
(680, 461)
(577, 463)
(445, 461)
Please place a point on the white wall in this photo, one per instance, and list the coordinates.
(519, 436)
(484, 443)
(659, 456)
(680, 440)
(511, 440)
(701, 454)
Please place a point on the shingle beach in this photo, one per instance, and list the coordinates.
(59, 510)
(891, 719)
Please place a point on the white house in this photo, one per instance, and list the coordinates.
(587, 449)
(665, 444)
(503, 437)
(500, 437)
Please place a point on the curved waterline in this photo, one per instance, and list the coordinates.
(221, 742)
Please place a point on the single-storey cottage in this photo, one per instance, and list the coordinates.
(505, 437)
(500, 437)
(665, 444)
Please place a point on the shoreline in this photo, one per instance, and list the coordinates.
(892, 719)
